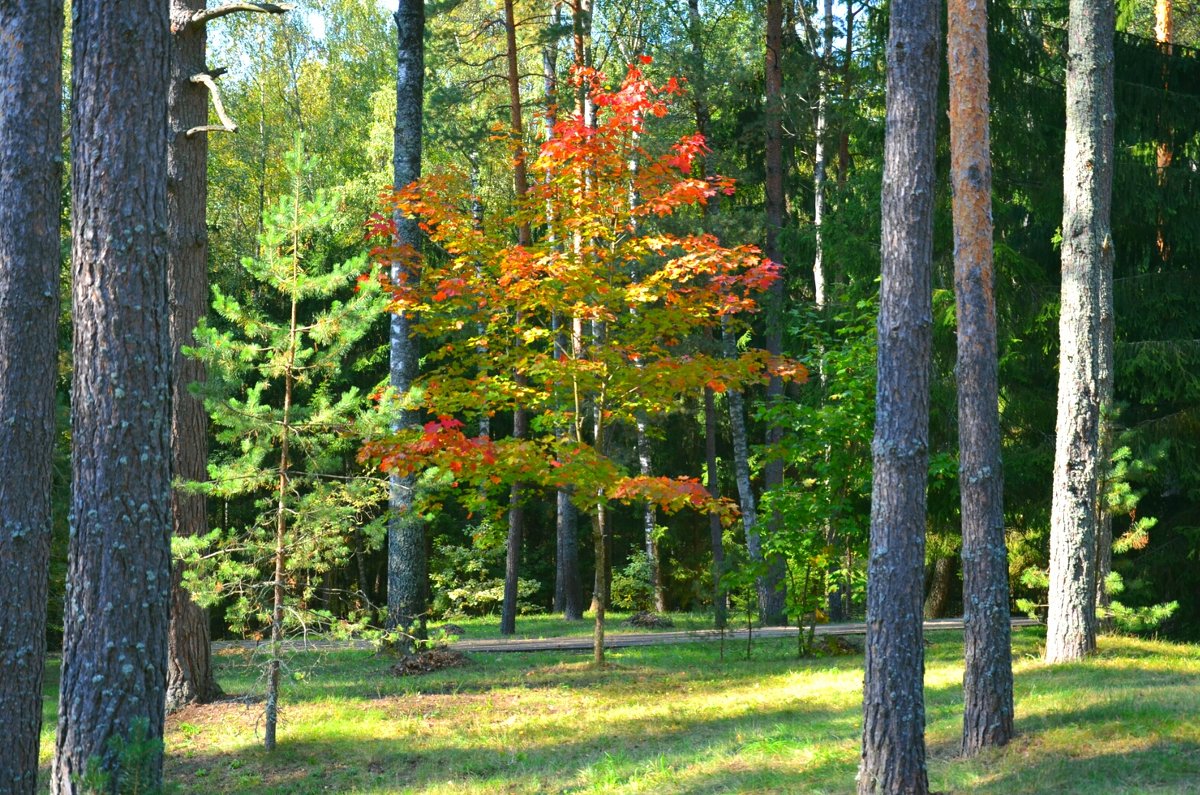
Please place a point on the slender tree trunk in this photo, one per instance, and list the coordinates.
(820, 157)
(649, 519)
(844, 134)
(987, 682)
(1164, 34)
(772, 601)
(835, 598)
(741, 473)
(568, 596)
(31, 184)
(119, 562)
(189, 657)
(516, 509)
(938, 599)
(703, 115)
(600, 540)
(893, 754)
(281, 502)
(1087, 260)
(406, 532)
(715, 530)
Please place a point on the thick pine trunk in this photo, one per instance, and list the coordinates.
(1087, 260)
(987, 681)
(773, 597)
(31, 184)
(119, 561)
(189, 658)
(406, 532)
(893, 751)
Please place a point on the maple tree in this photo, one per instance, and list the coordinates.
(636, 297)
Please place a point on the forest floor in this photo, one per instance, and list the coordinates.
(677, 719)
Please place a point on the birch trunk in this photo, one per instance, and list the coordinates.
(406, 532)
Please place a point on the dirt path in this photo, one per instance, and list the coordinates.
(616, 641)
(613, 640)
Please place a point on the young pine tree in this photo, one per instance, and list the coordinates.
(286, 422)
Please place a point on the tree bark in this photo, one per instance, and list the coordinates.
(938, 599)
(406, 532)
(741, 473)
(820, 157)
(773, 597)
(847, 74)
(715, 530)
(119, 560)
(987, 681)
(649, 519)
(893, 752)
(516, 510)
(568, 593)
(1087, 256)
(31, 184)
(189, 656)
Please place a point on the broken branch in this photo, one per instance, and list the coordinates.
(207, 14)
(227, 124)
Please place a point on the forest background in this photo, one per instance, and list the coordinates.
(326, 71)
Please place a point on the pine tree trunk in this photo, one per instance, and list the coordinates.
(275, 664)
(568, 588)
(31, 136)
(773, 597)
(1087, 256)
(568, 595)
(119, 561)
(987, 682)
(893, 753)
(516, 510)
(406, 532)
(189, 658)
(938, 598)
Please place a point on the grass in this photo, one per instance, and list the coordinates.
(679, 719)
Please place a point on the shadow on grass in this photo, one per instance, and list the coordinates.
(648, 749)
(1120, 723)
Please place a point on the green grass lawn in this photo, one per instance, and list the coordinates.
(679, 719)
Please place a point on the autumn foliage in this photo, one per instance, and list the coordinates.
(606, 316)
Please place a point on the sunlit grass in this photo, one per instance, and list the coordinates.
(680, 719)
